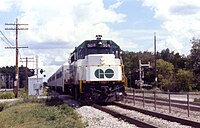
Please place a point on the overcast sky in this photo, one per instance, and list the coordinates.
(57, 26)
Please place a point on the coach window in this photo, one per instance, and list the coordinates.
(116, 54)
(72, 58)
(75, 55)
(53, 77)
(81, 53)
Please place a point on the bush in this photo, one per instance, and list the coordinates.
(6, 95)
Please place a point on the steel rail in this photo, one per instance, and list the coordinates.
(159, 115)
(124, 117)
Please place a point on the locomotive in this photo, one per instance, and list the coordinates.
(95, 72)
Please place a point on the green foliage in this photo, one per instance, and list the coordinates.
(194, 60)
(165, 83)
(195, 51)
(39, 115)
(9, 73)
(1, 84)
(177, 60)
(165, 68)
(184, 80)
(131, 62)
(165, 73)
(6, 95)
(22, 93)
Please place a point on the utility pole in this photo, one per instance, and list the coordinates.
(16, 86)
(37, 67)
(155, 57)
(26, 86)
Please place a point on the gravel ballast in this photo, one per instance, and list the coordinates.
(98, 119)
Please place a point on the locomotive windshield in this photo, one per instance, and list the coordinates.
(102, 47)
(96, 47)
(98, 51)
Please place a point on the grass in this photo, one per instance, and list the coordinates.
(10, 94)
(33, 114)
(6, 95)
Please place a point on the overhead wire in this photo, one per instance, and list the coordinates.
(6, 39)
(7, 42)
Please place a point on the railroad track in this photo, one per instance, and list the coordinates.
(146, 112)
(159, 115)
(124, 117)
(160, 101)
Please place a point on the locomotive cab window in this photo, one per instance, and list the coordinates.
(98, 51)
(81, 53)
(116, 53)
(72, 58)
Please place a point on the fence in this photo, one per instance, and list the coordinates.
(167, 100)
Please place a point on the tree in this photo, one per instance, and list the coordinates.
(9, 74)
(179, 61)
(131, 62)
(165, 74)
(184, 80)
(194, 60)
(1, 84)
(166, 55)
(169, 65)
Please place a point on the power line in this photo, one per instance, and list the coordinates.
(6, 38)
(5, 41)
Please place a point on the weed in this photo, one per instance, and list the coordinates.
(40, 115)
(6, 95)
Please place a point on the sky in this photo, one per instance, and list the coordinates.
(56, 27)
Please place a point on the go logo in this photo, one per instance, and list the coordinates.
(99, 73)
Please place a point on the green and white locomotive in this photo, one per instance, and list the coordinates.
(95, 71)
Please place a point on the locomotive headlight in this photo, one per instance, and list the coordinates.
(100, 43)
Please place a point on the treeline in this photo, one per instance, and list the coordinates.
(7, 76)
(175, 72)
